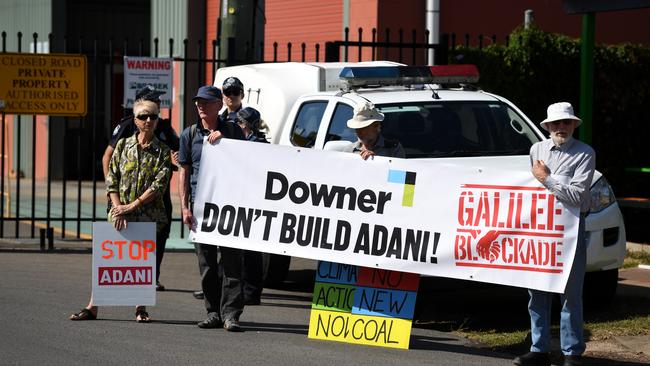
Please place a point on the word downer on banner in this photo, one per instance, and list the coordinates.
(124, 264)
(363, 305)
(421, 216)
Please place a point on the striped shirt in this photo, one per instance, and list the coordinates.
(572, 167)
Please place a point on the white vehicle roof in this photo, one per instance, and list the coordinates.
(381, 96)
(271, 88)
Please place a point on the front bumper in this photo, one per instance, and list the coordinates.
(605, 239)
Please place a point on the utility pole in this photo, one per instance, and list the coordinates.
(242, 31)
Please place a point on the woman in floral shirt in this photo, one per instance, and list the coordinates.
(137, 177)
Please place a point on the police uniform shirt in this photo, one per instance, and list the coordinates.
(383, 147)
(230, 117)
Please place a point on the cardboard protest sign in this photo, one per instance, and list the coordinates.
(124, 264)
(437, 217)
(363, 305)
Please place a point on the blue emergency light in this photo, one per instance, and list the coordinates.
(367, 77)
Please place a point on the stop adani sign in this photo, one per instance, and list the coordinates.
(124, 264)
(50, 84)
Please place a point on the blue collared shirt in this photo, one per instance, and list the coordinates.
(572, 166)
(190, 153)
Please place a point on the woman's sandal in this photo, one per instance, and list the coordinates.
(84, 314)
(141, 315)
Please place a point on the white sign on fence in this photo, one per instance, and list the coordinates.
(141, 71)
(429, 217)
(124, 264)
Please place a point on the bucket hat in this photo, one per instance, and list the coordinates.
(365, 115)
(558, 112)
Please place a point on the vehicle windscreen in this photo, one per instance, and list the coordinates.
(456, 129)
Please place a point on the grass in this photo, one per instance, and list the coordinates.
(633, 259)
(629, 316)
(504, 324)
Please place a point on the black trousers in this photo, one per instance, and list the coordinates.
(161, 239)
(221, 296)
(252, 274)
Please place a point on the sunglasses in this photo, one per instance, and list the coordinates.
(565, 122)
(144, 117)
(232, 92)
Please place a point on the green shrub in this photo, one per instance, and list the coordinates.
(537, 68)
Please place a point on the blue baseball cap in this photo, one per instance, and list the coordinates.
(208, 92)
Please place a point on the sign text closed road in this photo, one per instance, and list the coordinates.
(52, 84)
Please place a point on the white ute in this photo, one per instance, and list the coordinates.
(308, 104)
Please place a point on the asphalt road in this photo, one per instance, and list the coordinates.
(38, 291)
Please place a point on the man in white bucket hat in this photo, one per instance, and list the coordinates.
(565, 166)
(366, 123)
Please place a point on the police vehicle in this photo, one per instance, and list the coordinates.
(436, 113)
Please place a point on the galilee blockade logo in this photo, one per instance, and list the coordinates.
(509, 227)
(408, 180)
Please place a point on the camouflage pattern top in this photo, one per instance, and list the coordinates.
(133, 170)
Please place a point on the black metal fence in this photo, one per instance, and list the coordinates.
(74, 180)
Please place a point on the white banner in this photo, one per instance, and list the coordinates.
(429, 217)
(124, 264)
(141, 71)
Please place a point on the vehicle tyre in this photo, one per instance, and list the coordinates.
(600, 287)
(276, 268)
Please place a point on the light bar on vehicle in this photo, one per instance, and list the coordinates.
(454, 74)
(364, 77)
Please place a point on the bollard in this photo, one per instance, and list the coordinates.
(50, 238)
(42, 237)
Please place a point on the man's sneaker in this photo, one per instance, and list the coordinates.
(198, 295)
(232, 325)
(533, 359)
(159, 286)
(212, 321)
(572, 360)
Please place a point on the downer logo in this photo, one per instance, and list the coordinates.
(408, 180)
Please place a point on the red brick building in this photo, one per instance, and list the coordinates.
(316, 22)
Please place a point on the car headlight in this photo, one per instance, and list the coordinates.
(602, 195)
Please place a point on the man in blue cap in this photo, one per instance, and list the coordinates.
(224, 302)
(165, 133)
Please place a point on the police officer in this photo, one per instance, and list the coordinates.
(252, 271)
(366, 123)
(233, 93)
(250, 121)
(166, 134)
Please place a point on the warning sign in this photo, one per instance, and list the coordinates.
(52, 84)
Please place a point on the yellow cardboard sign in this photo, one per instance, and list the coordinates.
(360, 329)
(52, 84)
